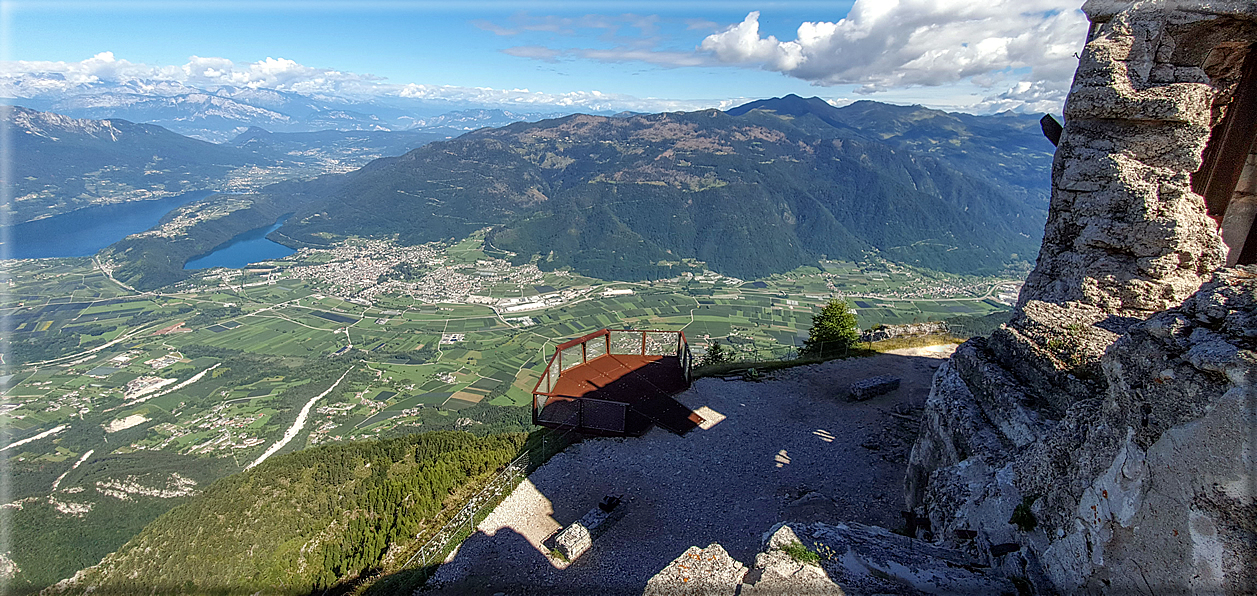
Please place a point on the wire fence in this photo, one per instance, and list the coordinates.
(734, 353)
(462, 524)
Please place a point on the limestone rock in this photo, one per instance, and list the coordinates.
(1148, 482)
(1125, 232)
(776, 572)
(1102, 441)
(857, 559)
(699, 572)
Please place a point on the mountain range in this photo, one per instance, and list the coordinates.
(760, 189)
(220, 113)
(60, 163)
(751, 192)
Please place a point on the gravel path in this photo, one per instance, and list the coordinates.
(788, 450)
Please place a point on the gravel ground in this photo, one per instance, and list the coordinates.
(789, 449)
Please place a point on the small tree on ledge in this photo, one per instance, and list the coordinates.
(715, 355)
(833, 331)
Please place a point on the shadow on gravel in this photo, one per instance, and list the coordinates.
(789, 448)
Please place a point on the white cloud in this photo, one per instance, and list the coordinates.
(1025, 96)
(535, 52)
(106, 73)
(33, 78)
(884, 44)
(589, 100)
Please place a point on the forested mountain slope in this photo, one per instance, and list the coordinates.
(300, 523)
(1007, 150)
(751, 195)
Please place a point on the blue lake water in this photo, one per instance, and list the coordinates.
(84, 232)
(243, 248)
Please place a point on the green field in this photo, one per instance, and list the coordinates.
(418, 356)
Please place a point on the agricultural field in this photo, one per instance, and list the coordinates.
(89, 345)
(117, 404)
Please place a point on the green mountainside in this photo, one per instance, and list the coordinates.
(156, 257)
(62, 163)
(1007, 150)
(301, 523)
(750, 194)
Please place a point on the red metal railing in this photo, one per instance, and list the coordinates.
(601, 414)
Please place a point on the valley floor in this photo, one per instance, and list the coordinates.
(790, 448)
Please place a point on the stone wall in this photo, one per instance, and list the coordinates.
(1110, 429)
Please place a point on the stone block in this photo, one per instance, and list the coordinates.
(872, 387)
(577, 538)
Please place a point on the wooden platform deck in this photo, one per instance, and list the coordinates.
(643, 384)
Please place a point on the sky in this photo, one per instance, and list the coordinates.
(977, 56)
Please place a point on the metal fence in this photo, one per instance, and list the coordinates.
(749, 352)
(462, 523)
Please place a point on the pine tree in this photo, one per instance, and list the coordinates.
(833, 331)
(715, 355)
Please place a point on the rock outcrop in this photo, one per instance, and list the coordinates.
(700, 572)
(882, 332)
(1125, 232)
(1105, 440)
(1147, 484)
(845, 559)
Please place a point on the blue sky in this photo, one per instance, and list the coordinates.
(943, 53)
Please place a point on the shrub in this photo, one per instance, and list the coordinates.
(800, 553)
(833, 331)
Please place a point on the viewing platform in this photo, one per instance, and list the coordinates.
(616, 383)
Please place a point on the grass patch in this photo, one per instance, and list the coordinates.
(861, 350)
(800, 553)
(914, 341)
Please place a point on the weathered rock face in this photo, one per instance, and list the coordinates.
(1148, 485)
(1105, 440)
(699, 572)
(1125, 232)
(856, 559)
(889, 331)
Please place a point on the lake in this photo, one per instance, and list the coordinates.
(243, 248)
(85, 231)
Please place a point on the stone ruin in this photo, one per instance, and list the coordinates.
(1105, 440)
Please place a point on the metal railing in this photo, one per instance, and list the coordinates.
(462, 524)
(649, 342)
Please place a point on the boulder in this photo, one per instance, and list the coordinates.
(859, 559)
(699, 572)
